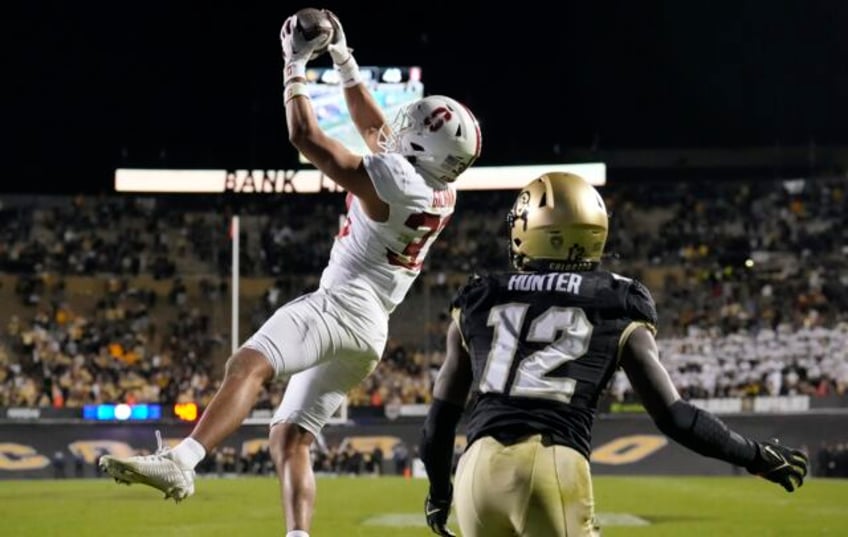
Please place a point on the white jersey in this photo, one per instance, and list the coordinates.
(386, 257)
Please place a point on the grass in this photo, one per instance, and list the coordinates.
(688, 506)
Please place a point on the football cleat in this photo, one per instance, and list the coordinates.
(159, 471)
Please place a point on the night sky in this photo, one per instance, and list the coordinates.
(154, 84)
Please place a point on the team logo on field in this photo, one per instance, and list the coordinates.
(628, 449)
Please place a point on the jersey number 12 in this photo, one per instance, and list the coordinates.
(531, 378)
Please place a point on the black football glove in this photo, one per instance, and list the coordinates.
(437, 512)
(785, 466)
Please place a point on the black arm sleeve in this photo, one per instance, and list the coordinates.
(436, 446)
(705, 434)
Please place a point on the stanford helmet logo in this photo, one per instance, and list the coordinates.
(437, 118)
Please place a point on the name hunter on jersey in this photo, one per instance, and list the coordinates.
(562, 282)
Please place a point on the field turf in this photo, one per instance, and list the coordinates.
(375, 507)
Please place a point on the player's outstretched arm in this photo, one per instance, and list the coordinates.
(450, 392)
(366, 115)
(697, 429)
(327, 154)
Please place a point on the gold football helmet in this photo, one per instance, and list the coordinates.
(558, 222)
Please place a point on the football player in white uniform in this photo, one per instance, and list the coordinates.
(399, 199)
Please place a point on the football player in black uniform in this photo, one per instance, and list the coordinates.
(537, 347)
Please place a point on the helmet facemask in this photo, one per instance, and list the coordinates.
(388, 139)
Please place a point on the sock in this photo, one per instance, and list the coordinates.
(297, 533)
(188, 453)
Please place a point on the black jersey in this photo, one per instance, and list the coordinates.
(543, 347)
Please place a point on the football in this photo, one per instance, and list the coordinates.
(312, 23)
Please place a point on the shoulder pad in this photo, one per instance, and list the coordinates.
(461, 296)
(639, 304)
(395, 179)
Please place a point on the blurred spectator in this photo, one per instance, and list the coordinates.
(400, 456)
(58, 463)
(79, 465)
(377, 461)
(832, 460)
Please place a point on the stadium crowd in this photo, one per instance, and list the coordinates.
(750, 281)
(112, 351)
(786, 361)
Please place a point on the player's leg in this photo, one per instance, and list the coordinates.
(290, 447)
(172, 470)
(575, 478)
(312, 396)
(561, 495)
(259, 360)
(246, 371)
(486, 491)
(545, 512)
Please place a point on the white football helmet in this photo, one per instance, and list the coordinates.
(439, 135)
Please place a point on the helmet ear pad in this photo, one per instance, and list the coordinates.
(558, 222)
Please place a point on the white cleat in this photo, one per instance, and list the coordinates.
(159, 471)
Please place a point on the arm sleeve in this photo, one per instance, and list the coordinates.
(681, 421)
(436, 446)
(705, 434)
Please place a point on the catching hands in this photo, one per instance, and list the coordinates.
(342, 55)
(338, 48)
(296, 49)
(437, 512)
(785, 466)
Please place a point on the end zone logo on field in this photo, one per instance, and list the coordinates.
(628, 449)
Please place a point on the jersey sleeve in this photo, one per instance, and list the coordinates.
(461, 301)
(392, 176)
(639, 305)
(640, 309)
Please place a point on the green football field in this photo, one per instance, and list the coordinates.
(638, 506)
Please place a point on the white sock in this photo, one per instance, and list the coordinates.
(297, 533)
(189, 453)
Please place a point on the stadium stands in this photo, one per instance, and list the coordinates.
(126, 298)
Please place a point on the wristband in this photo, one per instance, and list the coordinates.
(294, 69)
(295, 89)
(349, 71)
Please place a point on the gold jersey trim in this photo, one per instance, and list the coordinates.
(456, 313)
(625, 335)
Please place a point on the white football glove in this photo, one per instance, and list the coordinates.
(338, 48)
(296, 49)
(342, 55)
